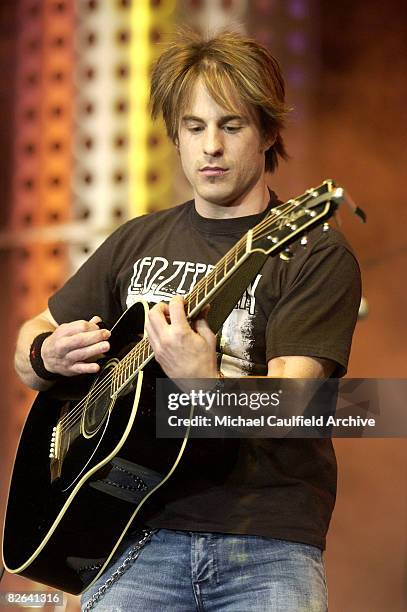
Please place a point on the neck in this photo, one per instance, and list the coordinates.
(251, 203)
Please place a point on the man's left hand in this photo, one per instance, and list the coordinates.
(181, 350)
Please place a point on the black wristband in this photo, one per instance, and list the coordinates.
(36, 360)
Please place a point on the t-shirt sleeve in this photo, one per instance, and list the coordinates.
(91, 290)
(317, 311)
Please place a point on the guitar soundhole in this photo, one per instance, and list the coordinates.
(99, 401)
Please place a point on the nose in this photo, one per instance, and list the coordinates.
(213, 142)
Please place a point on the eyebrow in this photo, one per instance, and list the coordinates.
(223, 119)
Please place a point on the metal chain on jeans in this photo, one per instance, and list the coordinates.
(130, 558)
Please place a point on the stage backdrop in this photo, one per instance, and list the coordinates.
(81, 155)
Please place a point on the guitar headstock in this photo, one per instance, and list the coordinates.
(292, 220)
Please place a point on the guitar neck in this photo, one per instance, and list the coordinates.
(226, 282)
(207, 289)
(204, 292)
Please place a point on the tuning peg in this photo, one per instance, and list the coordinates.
(286, 255)
(363, 308)
(304, 241)
(326, 227)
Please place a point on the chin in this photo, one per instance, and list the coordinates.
(217, 195)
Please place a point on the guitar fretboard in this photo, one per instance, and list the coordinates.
(198, 297)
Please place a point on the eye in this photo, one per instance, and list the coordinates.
(195, 129)
(231, 129)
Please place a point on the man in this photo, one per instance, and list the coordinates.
(239, 526)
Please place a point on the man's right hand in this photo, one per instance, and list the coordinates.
(74, 347)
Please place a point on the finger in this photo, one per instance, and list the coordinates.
(202, 328)
(204, 312)
(75, 327)
(202, 316)
(151, 334)
(81, 340)
(84, 368)
(166, 312)
(177, 312)
(96, 319)
(152, 338)
(90, 352)
(157, 319)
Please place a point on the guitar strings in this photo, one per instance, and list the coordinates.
(133, 356)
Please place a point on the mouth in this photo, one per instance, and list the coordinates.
(213, 171)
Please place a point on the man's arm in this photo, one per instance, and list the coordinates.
(296, 366)
(184, 352)
(71, 349)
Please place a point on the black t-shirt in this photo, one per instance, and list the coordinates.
(270, 487)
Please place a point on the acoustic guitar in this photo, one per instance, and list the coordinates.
(68, 507)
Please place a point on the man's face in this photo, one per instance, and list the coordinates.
(222, 153)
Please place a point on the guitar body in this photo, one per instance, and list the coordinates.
(63, 530)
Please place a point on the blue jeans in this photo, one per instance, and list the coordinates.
(183, 571)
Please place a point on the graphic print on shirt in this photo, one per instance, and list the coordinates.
(156, 279)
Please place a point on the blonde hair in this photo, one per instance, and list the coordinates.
(227, 63)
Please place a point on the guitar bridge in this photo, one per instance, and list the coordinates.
(54, 453)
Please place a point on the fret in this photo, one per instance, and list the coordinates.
(193, 298)
(197, 291)
(114, 380)
(209, 284)
(125, 372)
(127, 367)
(136, 363)
(137, 355)
(139, 352)
(205, 285)
(188, 303)
(229, 264)
(145, 353)
(130, 363)
(119, 371)
(145, 348)
(240, 250)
